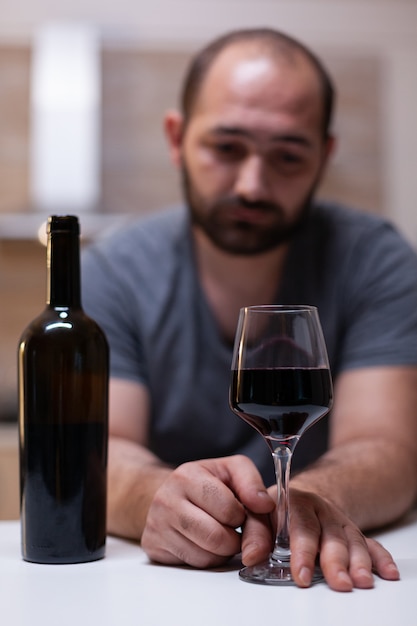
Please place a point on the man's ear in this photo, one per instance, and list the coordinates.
(173, 127)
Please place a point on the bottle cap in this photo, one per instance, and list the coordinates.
(63, 224)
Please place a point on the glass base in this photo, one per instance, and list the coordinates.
(273, 573)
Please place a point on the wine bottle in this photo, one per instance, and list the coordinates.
(63, 361)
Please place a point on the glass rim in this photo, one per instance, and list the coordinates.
(287, 308)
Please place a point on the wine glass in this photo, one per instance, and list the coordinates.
(280, 385)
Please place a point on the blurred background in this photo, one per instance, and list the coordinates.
(83, 88)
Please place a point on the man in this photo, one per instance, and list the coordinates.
(252, 143)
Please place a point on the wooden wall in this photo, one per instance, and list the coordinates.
(138, 86)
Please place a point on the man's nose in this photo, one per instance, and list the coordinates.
(251, 181)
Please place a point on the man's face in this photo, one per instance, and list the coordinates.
(253, 151)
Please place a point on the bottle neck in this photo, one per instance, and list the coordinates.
(63, 264)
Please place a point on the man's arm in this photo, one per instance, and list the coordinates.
(134, 473)
(183, 515)
(370, 470)
(368, 478)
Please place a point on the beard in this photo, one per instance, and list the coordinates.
(219, 220)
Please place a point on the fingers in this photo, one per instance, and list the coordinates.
(305, 532)
(191, 520)
(257, 539)
(194, 513)
(382, 561)
(347, 558)
(174, 547)
(240, 475)
(344, 558)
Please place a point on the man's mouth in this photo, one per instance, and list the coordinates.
(254, 213)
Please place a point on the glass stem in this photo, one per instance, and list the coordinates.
(282, 455)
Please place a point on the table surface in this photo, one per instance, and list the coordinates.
(125, 589)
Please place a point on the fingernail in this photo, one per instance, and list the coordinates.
(263, 493)
(305, 576)
(250, 554)
(366, 576)
(393, 570)
(344, 578)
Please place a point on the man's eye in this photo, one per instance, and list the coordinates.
(287, 157)
(228, 150)
(287, 161)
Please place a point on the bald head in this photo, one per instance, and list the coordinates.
(257, 47)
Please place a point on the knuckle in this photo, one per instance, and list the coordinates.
(209, 490)
(186, 522)
(223, 540)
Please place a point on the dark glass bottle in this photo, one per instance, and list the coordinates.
(63, 416)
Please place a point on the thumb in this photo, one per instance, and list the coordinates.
(256, 539)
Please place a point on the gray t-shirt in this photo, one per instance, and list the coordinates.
(141, 286)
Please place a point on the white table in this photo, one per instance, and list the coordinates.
(124, 589)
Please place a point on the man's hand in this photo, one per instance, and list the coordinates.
(194, 514)
(347, 558)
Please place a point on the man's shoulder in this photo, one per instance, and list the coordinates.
(341, 215)
(344, 227)
(147, 251)
(345, 241)
(147, 237)
(152, 227)
(137, 266)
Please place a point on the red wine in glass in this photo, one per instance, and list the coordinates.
(281, 402)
